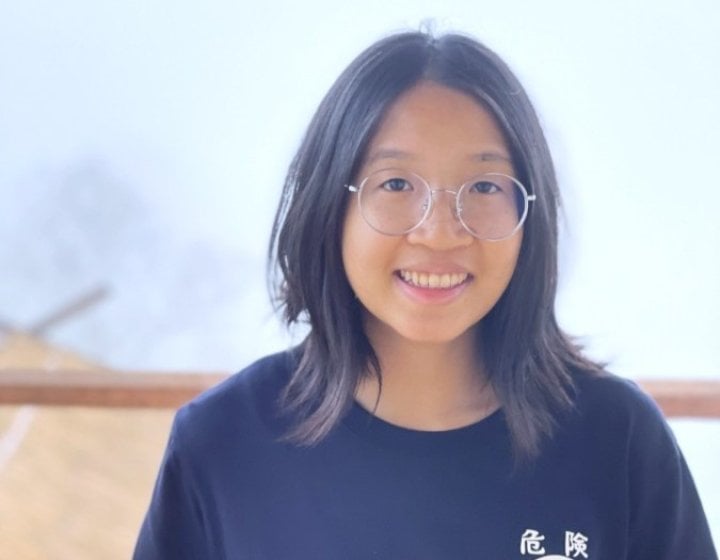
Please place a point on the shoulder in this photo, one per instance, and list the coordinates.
(616, 409)
(261, 379)
(612, 397)
(242, 406)
(632, 441)
(623, 431)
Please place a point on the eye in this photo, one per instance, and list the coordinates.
(484, 187)
(396, 184)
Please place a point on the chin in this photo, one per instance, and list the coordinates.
(436, 338)
(425, 332)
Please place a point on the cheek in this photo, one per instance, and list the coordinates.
(366, 254)
(509, 259)
(355, 250)
(504, 258)
(350, 244)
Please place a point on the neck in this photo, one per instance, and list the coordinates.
(427, 385)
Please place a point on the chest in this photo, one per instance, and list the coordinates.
(353, 501)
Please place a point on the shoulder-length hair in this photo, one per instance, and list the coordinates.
(527, 357)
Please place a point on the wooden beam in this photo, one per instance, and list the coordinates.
(102, 388)
(687, 398)
(145, 389)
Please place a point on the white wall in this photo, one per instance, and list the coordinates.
(142, 146)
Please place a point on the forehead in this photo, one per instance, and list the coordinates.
(433, 123)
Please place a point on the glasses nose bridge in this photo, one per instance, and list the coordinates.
(454, 206)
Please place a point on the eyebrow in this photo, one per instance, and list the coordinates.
(390, 153)
(490, 156)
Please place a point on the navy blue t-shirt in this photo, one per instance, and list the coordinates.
(610, 485)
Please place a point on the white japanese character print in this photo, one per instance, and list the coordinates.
(531, 543)
(575, 544)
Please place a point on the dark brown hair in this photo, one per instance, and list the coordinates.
(528, 358)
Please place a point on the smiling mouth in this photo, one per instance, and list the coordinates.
(433, 281)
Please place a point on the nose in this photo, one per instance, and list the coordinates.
(441, 229)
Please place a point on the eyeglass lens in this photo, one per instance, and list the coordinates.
(490, 206)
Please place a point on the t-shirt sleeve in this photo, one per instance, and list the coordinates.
(174, 525)
(667, 520)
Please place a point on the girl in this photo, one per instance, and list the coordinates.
(435, 409)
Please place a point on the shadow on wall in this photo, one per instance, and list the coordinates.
(174, 302)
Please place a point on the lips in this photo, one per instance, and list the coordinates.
(433, 280)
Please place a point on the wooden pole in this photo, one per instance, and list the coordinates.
(145, 389)
(102, 388)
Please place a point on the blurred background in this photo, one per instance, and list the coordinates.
(143, 145)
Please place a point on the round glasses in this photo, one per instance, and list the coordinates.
(491, 207)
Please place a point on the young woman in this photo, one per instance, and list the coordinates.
(435, 409)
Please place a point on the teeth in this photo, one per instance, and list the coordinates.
(425, 280)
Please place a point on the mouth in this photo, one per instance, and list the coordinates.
(433, 281)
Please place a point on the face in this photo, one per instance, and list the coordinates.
(435, 283)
